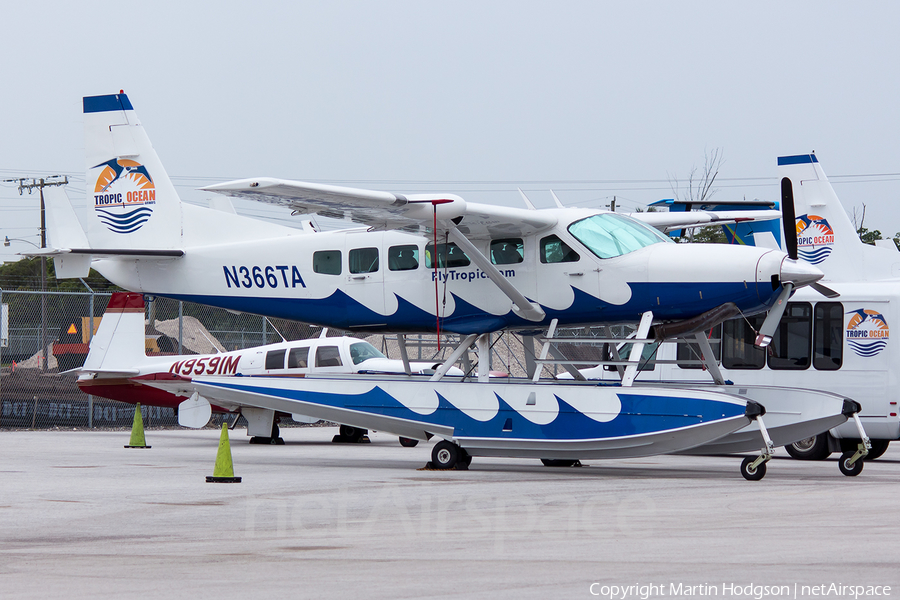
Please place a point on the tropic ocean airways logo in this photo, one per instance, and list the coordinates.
(867, 332)
(815, 237)
(124, 195)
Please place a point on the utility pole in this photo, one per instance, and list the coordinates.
(40, 184)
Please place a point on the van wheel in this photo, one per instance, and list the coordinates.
(408, 442)
(812, 448)
(879, 447)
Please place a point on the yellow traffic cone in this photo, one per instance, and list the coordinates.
(224, 469)
(137, 430)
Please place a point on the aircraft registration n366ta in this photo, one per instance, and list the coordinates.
(422, 262)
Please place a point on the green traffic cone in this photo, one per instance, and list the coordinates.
(224, 469)
(137, 430)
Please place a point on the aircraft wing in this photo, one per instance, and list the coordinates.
(668, 221)
(386, 210)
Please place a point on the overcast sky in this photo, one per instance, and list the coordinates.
(591, 99)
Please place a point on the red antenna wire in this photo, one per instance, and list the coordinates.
(437, 314)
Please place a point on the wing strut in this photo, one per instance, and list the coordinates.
(521, 306)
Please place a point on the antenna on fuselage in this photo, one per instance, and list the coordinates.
(556, 199)
(527, 201)
(269, 321)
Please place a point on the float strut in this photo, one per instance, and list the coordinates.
(765, 455)
(864, 446)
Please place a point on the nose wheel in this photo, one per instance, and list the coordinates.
(754, 468)
(753, 472)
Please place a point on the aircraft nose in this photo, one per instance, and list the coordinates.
(799, 272)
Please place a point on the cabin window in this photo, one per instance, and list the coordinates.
(275, 359)
(361, 351)
(328, 356)
(828, 336)
(298, 357)
(509, 251)
(449, 256)
(738, 351)
(608, 235)
(327, 262)
(403, 258)
(363, 260)
(554, 250)
(689, 350)
(790, 346)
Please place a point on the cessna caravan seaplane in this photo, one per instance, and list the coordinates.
(426, 263)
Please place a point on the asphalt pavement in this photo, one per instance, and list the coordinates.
(83, 517)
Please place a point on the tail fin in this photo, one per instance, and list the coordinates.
(825, 235)
(131, 201)
(118, 345)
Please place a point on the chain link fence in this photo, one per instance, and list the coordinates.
(46, 334)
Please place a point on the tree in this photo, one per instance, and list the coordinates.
(698, 190)
(867, 237)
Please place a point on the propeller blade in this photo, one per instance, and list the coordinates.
(764, 336)
(824, 290)
(788, 218)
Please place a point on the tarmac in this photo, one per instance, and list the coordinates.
(83, 517)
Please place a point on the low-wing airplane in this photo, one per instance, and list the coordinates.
(422, 262)
(116, 363)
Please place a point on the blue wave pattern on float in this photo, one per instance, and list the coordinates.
(640, 414)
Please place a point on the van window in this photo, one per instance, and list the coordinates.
(554, 250)
(297, 358)
(738, 351)
(507, 251)
(363, 260)
(828, 336)
(688, 350)
(328, 356)
(790, 347)
(275, 359)
(403, 258)
(327, 262)
(449, 256)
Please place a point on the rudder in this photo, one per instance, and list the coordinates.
(131, 202)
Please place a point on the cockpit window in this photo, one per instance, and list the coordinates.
(608, 235)
(361, 351)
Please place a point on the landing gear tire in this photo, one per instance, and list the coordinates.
(879, 447)
(447, 455)
(560, 462)
(352, 435)
(408, 442)
(752, 474)
(848, 469)
(812, 448)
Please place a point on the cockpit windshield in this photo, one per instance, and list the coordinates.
(361, 351)
(608, 235)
